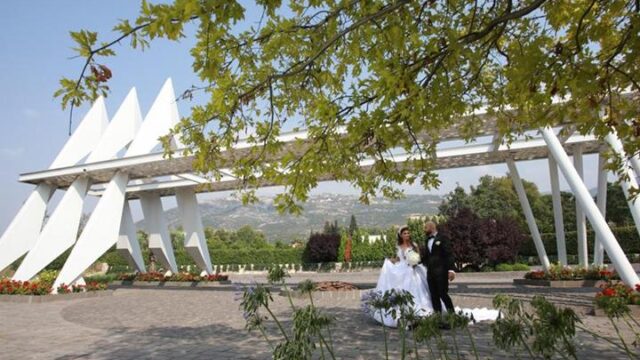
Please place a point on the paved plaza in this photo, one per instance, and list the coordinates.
(206, 323)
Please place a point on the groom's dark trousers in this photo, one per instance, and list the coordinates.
(438, 262)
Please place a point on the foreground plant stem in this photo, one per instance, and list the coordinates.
(273, 316)
(473, 343)
(624, 343)
(415, 345)
(630, 325)
(264, 334)
(322, 340)
(384, 332)
(284, 284)
(402, 328)
(455, 344)
(442, 347)
(523, 341)
(432, 356)
(598, 336)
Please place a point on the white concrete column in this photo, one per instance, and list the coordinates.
(194, 240)
(99, 234)
(159, 237)
(601, 202)
(611, 246)
(634, 204)
(528, 213)
(59, 233)
(128, 245)
(22, 233)
(615, 143)
(581, 223)
(632, 182)
(557, 211)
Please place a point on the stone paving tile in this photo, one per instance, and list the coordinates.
(206, 324)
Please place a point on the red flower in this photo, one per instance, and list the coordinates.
(608, 292)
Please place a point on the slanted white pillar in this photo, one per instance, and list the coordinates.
(99, 234)
(194, 240)
(632, 182)
(611, 246)
(59, 234)
(601, 202)
(616, 145)
(581, 223)
(557, 211)
(159, 237)
(22, 233)
(128, 245)
(528, 213)
(634, 204)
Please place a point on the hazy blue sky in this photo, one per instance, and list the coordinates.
(35, 52)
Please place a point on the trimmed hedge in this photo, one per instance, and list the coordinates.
(256, 256)
(627, 237)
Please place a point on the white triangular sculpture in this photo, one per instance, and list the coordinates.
(128, 245)
(156, 226)
(103, 228)
(194, 240)
(61, 231)
(22, 234)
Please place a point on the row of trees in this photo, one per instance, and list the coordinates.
(487, 225)
(494, 197)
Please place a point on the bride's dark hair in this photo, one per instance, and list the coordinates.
(399, 235)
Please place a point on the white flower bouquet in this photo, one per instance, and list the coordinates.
(413, 258)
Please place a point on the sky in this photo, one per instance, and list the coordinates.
(35, 53)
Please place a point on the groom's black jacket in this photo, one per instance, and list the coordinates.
(438, 262)
(440, 259)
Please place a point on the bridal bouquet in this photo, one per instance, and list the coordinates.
(413, 258)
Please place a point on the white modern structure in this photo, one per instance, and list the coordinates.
(124, 162)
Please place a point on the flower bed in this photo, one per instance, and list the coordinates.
(179, 277)
(616, 299)
(12, 287)
(90, 286)
(567, 276)
(40, 291)
(179, 280)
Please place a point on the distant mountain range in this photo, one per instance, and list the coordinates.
(230, 214)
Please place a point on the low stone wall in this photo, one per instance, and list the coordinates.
(170, 284)
(559, 283)
(36, 299)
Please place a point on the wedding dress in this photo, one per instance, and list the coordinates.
(402, 276)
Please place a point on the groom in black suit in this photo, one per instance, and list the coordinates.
(437, 258)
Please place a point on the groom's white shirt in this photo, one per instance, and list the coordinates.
(431, 240)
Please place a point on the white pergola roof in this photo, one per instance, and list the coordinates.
(157, 173)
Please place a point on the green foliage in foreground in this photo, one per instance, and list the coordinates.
(535, 329)
(369, 78)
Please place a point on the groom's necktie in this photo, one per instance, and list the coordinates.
(430, 243)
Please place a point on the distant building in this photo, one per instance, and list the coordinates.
(374, 238)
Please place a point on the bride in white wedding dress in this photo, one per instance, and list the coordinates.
(399, 274)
